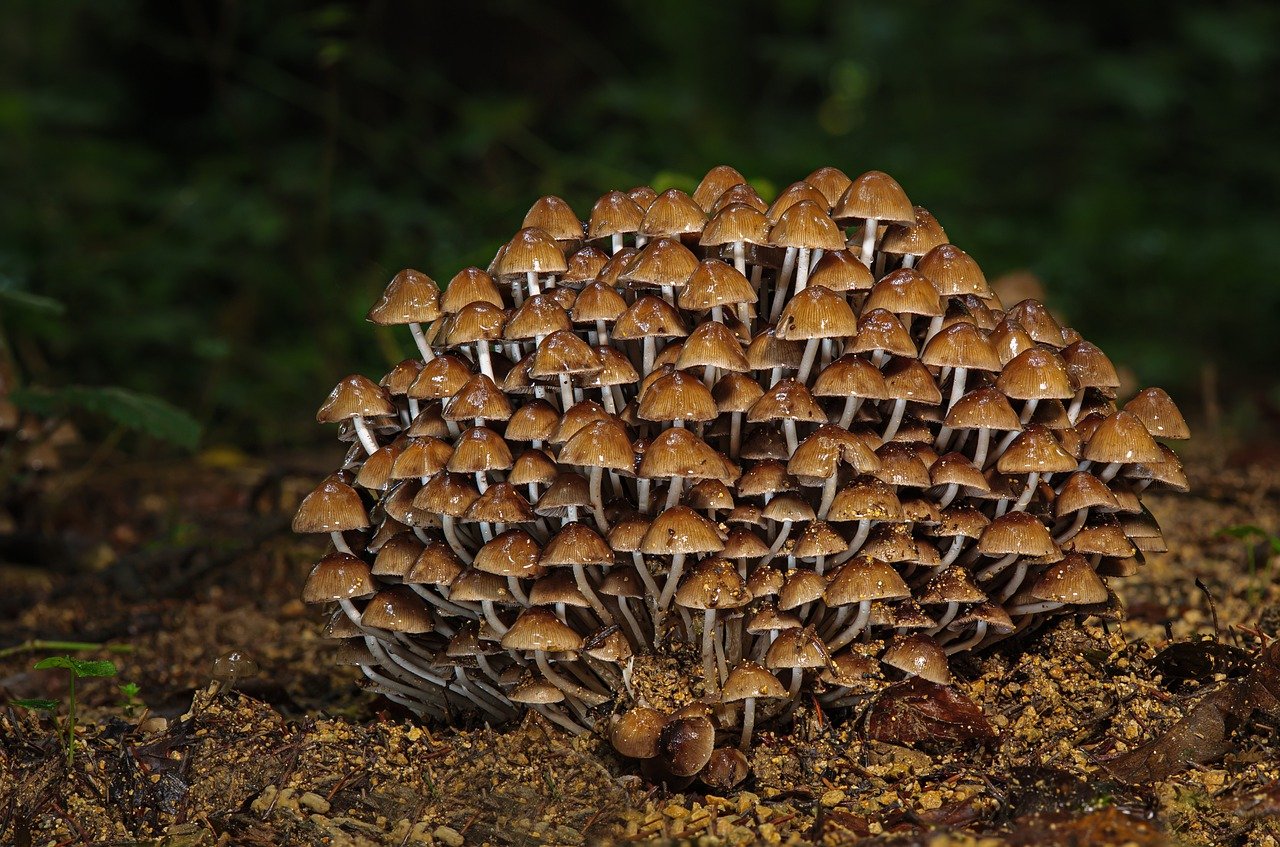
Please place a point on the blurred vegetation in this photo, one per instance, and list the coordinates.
(217, 190)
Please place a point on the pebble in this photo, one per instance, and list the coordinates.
(314, 802)
(449, 836)
(833, 797)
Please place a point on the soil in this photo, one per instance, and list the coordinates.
(1158, 729)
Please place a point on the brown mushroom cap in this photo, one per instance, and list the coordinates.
(338, 576)
(635, 732)
(410, 297)
(355, 395)
(750, 680)
(918, 655)
(333, 506)
(686, 744)
(537, 628)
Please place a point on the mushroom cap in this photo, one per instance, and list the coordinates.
(338, 576)
(354, 396)
(750, 680)
(635, 732)
(410, 297)
(797, 648)
(877, 195)
(1158, 413)
(712, 584)
(537, 628)
(1122, 437)
(1016, 532)
(865, 578)
(333, 506)
(681, 530)
(1070, 581)
(397, 609)
(918, 655)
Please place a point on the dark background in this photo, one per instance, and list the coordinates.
(218, 190)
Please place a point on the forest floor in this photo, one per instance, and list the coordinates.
(243, 732)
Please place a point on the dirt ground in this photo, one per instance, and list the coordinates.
(243, 732)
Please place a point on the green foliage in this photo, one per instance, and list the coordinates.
(1252, 536)
(79, 668)
(131, 703)
(76, 669)
(217, 191)
(138, 412)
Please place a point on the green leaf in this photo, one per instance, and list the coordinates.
(1244, 531)
(24, 301)
(139, 412)
(129, 689)
(79, 667)
(38, 704)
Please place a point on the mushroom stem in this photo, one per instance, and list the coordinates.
(828, 494)
(710, 674)
(673, 579)
(625, 608)
(566, 393)
(421, 341)
(789, 430)
(802, 269)
(568, 724)
(650, 353)
(1076, 525)
(570, 688)
(1109, 472)
(851, 405)
(777, 544)
(532, 278)
(674, 491)
(780, 286)
(482, 354)
(1027, 492)
(1029, 409)
(980, 452)
(979, 633)
(997, 566)
(851, 632)
(740, 257)
(1015, 581)
(340, 543)
(367, 440)
(580, 577)
(748, 724)
(615, 242)
(855, 543)
(895, 421)
(597, 500)
(869, 231)
(806, 363)
(735, 434)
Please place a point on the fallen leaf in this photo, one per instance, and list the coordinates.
(920, 712)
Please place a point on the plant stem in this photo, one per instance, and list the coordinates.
(71, 721)
(36, 644)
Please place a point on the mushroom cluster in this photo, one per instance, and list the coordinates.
(673, 470)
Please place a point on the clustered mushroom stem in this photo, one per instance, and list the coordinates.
(1028, 410)
(532, 278)
(980, 452)
(570, 689)
(740, 257)
(367, 440)
(869, 229)
(650, 353)
(781, 286)
(806, 363)
(673, 579)
(748, 723)
(895, 421)
(340, 543)
(420, 340)
(597, 500)
(851, 405)
(710, 674)
(1027, 493)
(802, 269)
(858, 624)
(580, 577)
